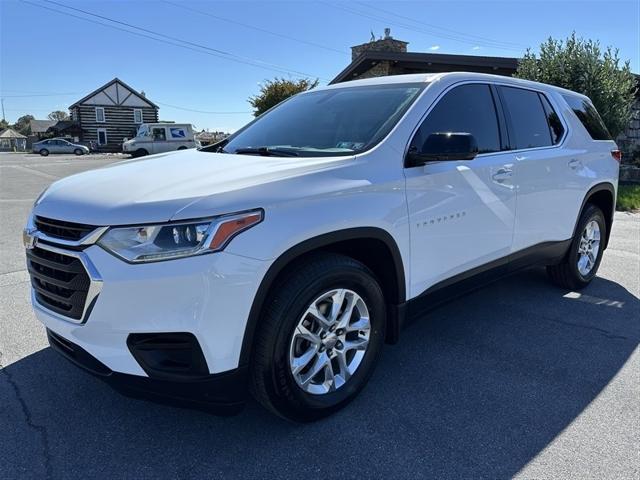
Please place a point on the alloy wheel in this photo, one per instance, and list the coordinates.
(588, 248)
(330, 341)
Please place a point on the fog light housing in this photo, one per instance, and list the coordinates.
(172, 356)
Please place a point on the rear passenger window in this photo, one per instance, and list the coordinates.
(468, 109)
(557, 130)
(588, 115)
(528, 121)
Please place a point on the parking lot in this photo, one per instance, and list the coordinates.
(520, 378)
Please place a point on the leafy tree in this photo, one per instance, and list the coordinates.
(582, 66)
(272, 92)
(22, 125)
(3, 124)
(58, 115)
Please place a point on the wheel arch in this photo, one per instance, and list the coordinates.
(372, 246)
(602, 195)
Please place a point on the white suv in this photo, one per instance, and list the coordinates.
(280, 260)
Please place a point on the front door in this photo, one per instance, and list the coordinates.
(461, 213)
(102, 136)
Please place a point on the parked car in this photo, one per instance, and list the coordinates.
(58, 145)
(284, 257)
(160, 137)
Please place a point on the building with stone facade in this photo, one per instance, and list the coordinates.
(388, 56)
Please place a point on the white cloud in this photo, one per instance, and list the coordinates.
(434, 47)
(476, 48)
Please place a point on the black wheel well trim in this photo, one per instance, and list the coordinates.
(319, 243)
(600, 187)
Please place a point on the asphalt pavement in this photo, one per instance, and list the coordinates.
(519, 379)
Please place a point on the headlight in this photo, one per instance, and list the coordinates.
(152, 243)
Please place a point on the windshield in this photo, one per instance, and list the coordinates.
(326, 123)
(143, 130)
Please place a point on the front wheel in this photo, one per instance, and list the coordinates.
(78, 151)
(583, 259)
(319, 338)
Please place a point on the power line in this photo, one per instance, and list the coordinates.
(416, 29)
(199, 111)
(171, 40)
(221, 53)
(40, 95)
(259, 29)
(437, 27)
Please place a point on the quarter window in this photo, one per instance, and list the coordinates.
(588, 116)
(528, 121)
(99, 114)
(137, 116)
(467, 108)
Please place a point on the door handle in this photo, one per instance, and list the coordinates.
(502, 174)
(574, 164)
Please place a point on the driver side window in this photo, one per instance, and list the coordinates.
(464, 109)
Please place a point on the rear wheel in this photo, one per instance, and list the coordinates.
(44, 152)
(319, 339)
(583, 259)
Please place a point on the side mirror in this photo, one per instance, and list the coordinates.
(447, 146)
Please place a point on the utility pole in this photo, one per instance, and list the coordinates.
(2, 101)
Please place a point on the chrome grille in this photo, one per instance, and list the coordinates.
(60, 282)
(61, 229)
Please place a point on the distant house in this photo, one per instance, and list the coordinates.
(12, 141)
(38, 128)
(388, 56)
(111, 113)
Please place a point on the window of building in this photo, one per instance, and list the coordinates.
(100, 114)
(137, 116)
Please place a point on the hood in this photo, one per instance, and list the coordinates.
(155, 188)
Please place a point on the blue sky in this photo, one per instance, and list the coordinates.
(45, 54)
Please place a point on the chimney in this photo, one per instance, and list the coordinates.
(143, 94)
(384, 44)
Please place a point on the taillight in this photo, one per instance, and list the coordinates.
(617, 155)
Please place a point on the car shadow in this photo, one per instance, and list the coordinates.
(476, 389)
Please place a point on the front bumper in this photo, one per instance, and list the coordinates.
(222, 393)
(208, 296)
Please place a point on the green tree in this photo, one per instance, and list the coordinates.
(582, 66)
(23, 125)
(3, 125)
(58, 115)
(272, 92)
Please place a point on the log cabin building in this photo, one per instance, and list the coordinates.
(112, 113)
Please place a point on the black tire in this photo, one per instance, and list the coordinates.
(78, 151)
(272, 382)
(141, 152)
(566, 274)
(44, 152)
(182, 147)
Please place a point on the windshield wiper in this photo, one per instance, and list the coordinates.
(267, 152)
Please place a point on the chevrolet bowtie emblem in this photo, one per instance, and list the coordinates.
(28, 238)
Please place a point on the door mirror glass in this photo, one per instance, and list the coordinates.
(444, 146)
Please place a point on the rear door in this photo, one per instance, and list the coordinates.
(547, 197)
(461, 213)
